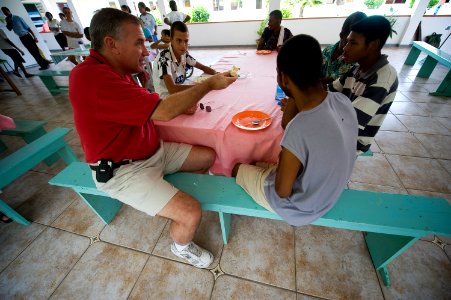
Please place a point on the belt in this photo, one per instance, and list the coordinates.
(115, 165)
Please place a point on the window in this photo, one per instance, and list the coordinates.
(187, 3)
(235, 4)
(218, 5)
(258, 4)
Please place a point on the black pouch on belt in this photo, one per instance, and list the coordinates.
(104, 170)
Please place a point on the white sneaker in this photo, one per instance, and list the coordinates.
(194, 254)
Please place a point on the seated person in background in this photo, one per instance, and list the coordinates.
(175, 15)
(115, 120)
(170, 65)
(318, 146)
(333, 64)
(164, 42)
(371, 85)
(274, 36)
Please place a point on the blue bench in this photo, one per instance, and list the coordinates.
(28, 130)
(19, 162)
(434, 56)
(48, 80)
(392, 222)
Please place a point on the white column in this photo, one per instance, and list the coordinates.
(160, 4)
(419, 9)
(273, 5)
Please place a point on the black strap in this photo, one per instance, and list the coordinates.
(115, 165)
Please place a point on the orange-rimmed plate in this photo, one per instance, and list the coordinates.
(244, 120)
(264, 52)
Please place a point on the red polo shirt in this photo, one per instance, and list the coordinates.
(111, 112)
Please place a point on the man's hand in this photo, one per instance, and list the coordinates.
(283, 104)
(219, 81)
(191, 110)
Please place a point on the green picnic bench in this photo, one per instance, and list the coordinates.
(48, 80)
(434, 56)
(28, 130)
(22, 160)
(391, 222)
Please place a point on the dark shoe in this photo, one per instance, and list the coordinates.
(5, 219)
(29, 75)
(17, 74)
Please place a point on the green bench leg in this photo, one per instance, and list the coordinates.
(67, 155)
(225, 220)
(384, 248)
(444, 88)
(31, 136)
(367, 153)
(51, 85)
(427, 68)
(12, 214)
(413, 56)
(105, 207)
(2, 146)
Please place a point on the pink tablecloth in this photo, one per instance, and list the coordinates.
(214, 129)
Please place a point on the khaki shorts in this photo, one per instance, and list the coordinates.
(141, 184)
(252, 180)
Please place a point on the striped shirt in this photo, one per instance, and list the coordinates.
(371, 94)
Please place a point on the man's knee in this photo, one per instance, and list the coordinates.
(183, 209)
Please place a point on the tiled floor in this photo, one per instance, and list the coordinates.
(68, 253)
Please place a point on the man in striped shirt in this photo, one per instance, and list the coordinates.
(371, 85)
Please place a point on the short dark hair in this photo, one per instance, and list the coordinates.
(166, 32)
(351, 20)
(47, 14)
(61, 15)
(108, 22)
(141, 4)
(373, 28)
(173, 5)
(300, 59)
(276, 13)
(5, 9)
(178, 26)
(126, 8)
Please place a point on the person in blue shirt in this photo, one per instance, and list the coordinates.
(26, 36)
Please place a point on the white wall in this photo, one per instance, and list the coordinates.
(325, 30)
(437, 24)
(17, 8)
(85, 9)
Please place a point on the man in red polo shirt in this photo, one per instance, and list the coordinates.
(114, 118)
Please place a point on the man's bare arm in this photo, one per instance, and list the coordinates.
(207, 70)
(178, 103)
(172, 86)
(288, 168)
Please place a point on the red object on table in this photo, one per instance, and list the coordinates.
(254, 92)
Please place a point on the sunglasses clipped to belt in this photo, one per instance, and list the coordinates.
(104, 169)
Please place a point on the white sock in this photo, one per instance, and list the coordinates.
(180, 247)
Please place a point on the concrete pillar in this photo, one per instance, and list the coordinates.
(415, 19)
